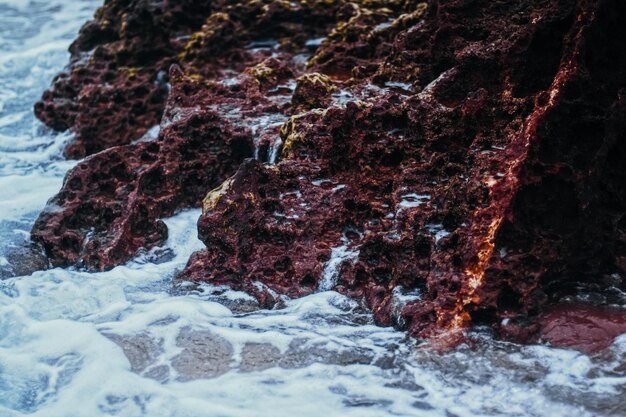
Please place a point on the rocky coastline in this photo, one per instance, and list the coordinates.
(452, 163)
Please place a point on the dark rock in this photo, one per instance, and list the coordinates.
(587, 328)
(116, 85)
(304, 352)
(228, 107)
(450, 162)
(312, 91)
(111, 202)
(476, 195)
(21, 256)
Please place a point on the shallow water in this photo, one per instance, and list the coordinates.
(128, 343)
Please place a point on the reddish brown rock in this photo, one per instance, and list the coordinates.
(111, 202)
(587, 328)
(115, 88)
(312, 91)
(226, 103)
(457, 194)
(450, 162)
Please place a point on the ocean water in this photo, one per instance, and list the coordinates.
(128, 342)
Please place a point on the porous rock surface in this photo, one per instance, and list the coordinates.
(449, 162)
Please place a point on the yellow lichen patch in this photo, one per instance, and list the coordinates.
(214, 196)
(261, 72)
(315, 78)
(312, 91)
(194, 42)
(130, 72)
(364, 18)
(408, 19)
(124, 26)
(289, 142)
(194, 77)
(289, 131)
(289, 135)
(105, 24)
(405, 72)
(215, 24)
(282, 4)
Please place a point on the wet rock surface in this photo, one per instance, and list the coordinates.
(140, 349)
(220, 109)
(584, 327)
(204, 355)
(21, 257)
(111, 202)
(449, 162)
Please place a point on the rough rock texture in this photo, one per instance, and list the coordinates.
(111, 202)
(450, 162)
(226, 105)
(115, 87)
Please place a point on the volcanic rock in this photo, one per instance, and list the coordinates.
(458, 194)
(450, 162)
(221, 109)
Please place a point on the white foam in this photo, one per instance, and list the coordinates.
(382, 26)
(338, 255)
(314, 42)
(275, 150)
(151, 134)
(438, 230)
(396, 84)
(411, 200)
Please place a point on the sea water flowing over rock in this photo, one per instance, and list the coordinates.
(133, 341)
